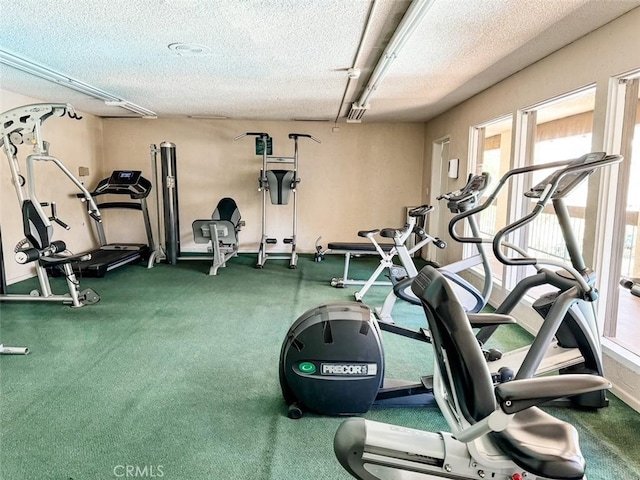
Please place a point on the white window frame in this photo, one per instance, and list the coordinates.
(621, 108)
(476, 145)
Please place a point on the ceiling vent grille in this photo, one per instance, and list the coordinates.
(356, 113)
(190, 50)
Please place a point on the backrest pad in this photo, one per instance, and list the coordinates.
(451, 333)
(227, 210)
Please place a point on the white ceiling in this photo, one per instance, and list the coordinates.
(284, 59)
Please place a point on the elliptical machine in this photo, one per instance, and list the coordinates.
(568, 340)
(332, 363)
(278, 184)
(332, 359)
(496, 431)
(22, 125)
(473, 300)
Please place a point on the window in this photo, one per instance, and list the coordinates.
(492, 142)
(562, 131)
(621, 253)
(558, 129)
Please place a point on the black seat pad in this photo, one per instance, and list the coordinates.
(542, 444)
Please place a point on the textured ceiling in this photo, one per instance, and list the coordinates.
(284, 59)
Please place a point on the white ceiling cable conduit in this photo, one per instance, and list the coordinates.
(46, 73)
(410, 22)
(353, 73)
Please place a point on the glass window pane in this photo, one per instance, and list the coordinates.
(628, 321)
(495, 158)
(563, 131)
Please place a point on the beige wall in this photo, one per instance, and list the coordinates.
(358, 178)
(361, 177)
(75, 143)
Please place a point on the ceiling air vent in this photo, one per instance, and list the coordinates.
(356, 113)
(190, 50)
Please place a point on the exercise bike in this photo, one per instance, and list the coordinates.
(568, 340)
(497, 431)
(473, 300)
(399, 248)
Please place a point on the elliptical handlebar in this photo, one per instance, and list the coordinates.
(581, 165)
(252, 134)
(545, 192)
(493, 195)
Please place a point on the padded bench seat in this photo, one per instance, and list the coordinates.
(358, 247)
(355, 249)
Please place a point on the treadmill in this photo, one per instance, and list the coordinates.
(110, 256)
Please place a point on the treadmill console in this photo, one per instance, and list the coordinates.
(124, 178)
(124, 182)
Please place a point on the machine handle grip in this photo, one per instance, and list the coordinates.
(295, 136)
(61, 223)
(32, 254)
(27, 256)
(252, 134)
(96, 216)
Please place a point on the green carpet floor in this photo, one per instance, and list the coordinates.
(175, 373)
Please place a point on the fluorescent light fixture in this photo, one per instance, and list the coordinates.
(46, 73)
(409, 23)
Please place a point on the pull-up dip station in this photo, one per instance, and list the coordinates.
(278, 185)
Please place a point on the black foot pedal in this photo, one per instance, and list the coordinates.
(505, 374)
(271, 241)
(491, 355)
(440, 243)
(88, 297)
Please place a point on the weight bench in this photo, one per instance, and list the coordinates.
(221, 231)
(350, 250)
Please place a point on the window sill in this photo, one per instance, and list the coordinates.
(621, 355)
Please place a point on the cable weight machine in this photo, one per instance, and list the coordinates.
(22, 126)
(278, 184)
